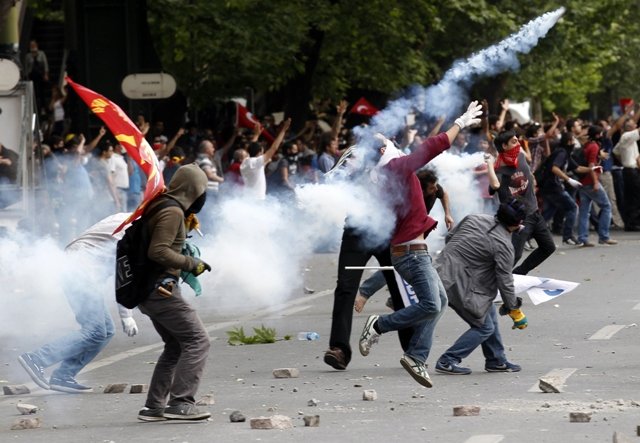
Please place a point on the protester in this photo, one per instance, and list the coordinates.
(475, 263)
(177, 373)
(409, 254)
(591, 191)
(92, 255)
(252, 168)
(627, 152)
(511, 177)
(554, 196)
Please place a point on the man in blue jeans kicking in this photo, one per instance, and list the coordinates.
(409, 253)
(475, 263)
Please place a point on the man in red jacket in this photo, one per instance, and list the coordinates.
(409, 253)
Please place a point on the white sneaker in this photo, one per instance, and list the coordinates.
(417, 370)
(369, 335)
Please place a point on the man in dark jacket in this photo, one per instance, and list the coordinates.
(179, 369)
(475, 263)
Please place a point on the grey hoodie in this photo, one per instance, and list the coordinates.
(167, 227)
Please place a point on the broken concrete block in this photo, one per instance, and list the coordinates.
(26, 423)
(312, 421)
(206, 400)
(26, 409)
(138, 389)
(273, 422)
(286, 373)
(15, 389)
(115, 388)
(579, 417)
(619, 437)
(369, 395)
(466, 411)
(550, 385)
(312, 402)
(237, 417)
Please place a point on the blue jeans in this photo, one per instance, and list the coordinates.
(587, 195)
(77, 349)
(563, 201)
(416, 268)
(487, 336)
(373, 284)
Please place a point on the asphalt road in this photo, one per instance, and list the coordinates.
(588, 338)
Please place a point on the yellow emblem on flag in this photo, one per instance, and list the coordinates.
(128, 139)
(98, 105)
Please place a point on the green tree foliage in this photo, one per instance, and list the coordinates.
(313, 49)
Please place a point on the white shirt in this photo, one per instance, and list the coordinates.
(627, 148)
(119, 171)
(255, 182)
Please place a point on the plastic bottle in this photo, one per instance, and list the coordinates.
(308, 335)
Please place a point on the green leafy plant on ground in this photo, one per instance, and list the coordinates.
(261, 335)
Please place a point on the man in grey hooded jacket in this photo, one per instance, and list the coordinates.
(476, 262)
(177, 373)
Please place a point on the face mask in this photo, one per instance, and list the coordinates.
(197, 205)
(510, 157)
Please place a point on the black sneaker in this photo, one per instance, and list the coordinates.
(68, 384)
(445, 367)
(151, 414)
(504, 367)
(33, 365)
(185, 411)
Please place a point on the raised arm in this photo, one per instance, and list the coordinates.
(278, 141)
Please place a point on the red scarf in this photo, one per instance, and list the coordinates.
(509, 158)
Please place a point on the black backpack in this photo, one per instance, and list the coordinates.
(135, 273)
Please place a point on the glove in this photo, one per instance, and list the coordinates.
(192, 281)
(574, 183)
(471, 116)
(129, 326)
(200, 267)
(519, 319)
(504, 310)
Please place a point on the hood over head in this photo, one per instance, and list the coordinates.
(187, 184)
(390, 150)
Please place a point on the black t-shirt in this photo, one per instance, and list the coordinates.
(552, 183)
(430, 200)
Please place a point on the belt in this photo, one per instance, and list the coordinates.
(398, 250)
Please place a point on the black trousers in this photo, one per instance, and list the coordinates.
(353, 252)
(534, 227)
(631, 213)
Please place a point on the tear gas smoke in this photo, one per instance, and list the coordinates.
(450, 95)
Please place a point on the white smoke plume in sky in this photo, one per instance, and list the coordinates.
(451, 94)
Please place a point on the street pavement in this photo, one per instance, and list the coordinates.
(588, 339)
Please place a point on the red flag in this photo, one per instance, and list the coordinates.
(246, 119)
(363, 107)
(128, 136)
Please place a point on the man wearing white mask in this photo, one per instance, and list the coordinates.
(409, 254)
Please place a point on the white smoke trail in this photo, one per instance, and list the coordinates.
(450, 94)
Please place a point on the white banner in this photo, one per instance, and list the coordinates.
(540, 289)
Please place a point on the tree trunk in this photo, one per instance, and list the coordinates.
(297, 91)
